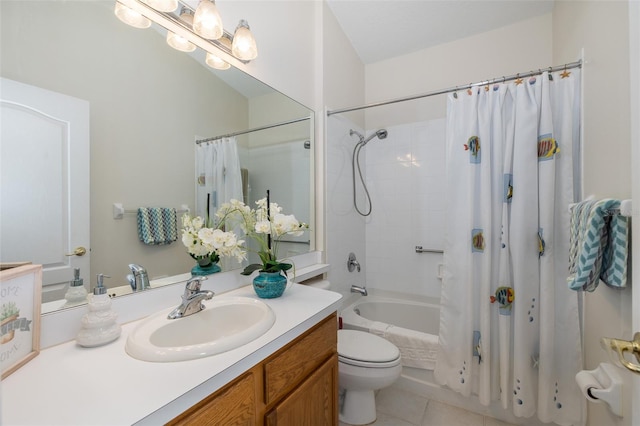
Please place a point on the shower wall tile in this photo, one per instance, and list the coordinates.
(345, 229)
(395, 146)
(406, 179)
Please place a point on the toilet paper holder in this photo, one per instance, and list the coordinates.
(621, 346)
(604, 384)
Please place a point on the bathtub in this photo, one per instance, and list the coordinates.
(387, 313)
(412, 325)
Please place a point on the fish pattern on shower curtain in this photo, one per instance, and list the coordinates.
(512, 150)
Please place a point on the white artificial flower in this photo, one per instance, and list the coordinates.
(263, 227)
(197, 223)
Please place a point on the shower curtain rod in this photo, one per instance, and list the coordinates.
(269, 126)
(570, 65)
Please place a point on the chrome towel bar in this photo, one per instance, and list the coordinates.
(419, 249)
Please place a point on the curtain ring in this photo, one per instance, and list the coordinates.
(504, 79)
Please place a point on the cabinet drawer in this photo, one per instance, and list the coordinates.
(286, 369)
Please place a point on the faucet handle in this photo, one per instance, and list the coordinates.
(137, 269)
(194, 283)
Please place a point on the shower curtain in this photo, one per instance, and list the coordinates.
(509, 325)
(218, 175)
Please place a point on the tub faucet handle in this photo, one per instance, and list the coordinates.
(352, 263)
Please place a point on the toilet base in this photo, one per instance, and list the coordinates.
(359, 407)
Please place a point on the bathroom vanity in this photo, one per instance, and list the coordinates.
(288, 373)
(296, 385)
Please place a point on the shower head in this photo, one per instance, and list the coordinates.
(381, 134)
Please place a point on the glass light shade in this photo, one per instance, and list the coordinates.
(163, 5)
(214, 62)
(206, 21)
(244, 45)
(131, 17)
(179, 43)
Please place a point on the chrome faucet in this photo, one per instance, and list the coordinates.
(191, 299)
(357, 289)
(138, 278)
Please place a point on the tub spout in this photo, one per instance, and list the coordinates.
(357, 289)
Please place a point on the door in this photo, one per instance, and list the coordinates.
(44, 155)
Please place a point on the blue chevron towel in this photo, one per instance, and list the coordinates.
(598, 245)
(157, 225)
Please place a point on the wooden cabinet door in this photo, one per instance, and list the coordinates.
(235, 404)
(294, 363)
(313, 403)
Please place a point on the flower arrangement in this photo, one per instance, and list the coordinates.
(266, 225)
(206, 241)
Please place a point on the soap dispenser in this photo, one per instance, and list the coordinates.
(99, 325)
(76, 293)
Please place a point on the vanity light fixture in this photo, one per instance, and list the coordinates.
(206, 21)
(162, 5)
(186, 30)
(244, 45)
(215, 62)
(131, 17)
(178, 42)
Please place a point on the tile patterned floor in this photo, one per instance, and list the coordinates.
(396, 407)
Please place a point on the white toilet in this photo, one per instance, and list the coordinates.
(366, 362)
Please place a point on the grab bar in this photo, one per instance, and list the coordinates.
(419, 249)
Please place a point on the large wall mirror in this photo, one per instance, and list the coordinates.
(148, 104)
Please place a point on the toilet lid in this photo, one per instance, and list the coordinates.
(357, 347)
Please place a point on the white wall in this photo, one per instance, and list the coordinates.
(286, 33)
(634, 30)
(523, 46)
(607, 150)
(343, 84)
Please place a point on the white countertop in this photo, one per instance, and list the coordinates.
(71, 385)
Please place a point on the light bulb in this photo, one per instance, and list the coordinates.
(179, 43)
(206, 21)
(131, 17)
(244, 45)
(163, 5)
(215, 62)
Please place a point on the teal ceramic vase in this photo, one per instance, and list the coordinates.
(205, 267)
(269, 285)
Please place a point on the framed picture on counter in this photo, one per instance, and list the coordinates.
(20, 296)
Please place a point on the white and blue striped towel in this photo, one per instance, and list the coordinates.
(599, 243)
(157, 225)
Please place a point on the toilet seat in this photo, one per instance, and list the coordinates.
(363, 349)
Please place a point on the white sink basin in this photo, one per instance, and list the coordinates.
(225, 324)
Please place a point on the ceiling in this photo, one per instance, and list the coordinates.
(383, 29)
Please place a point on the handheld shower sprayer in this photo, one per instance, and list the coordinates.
(355, 161)
(381, 134)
